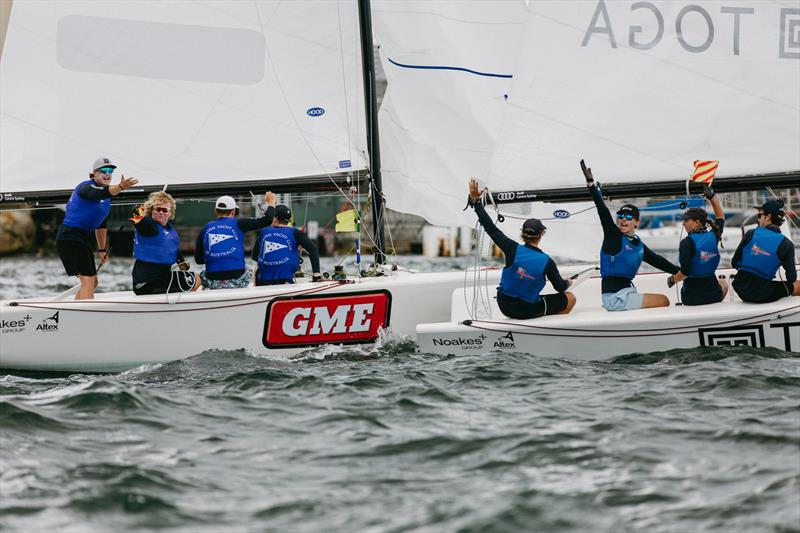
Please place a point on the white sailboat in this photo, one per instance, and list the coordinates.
(640, 90)
(207, 97)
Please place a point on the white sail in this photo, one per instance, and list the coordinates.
(448, 67)
(641, 89)
(180, 92)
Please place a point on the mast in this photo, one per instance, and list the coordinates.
(373, 141)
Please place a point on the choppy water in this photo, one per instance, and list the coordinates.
(390, 439)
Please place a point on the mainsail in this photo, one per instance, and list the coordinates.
(639, 89)
(180, 93)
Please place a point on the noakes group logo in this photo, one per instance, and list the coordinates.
(49, 323)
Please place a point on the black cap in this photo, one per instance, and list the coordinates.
(283, 213)
(534, 226)
(773, 207)
(695, 213)
(629, 209)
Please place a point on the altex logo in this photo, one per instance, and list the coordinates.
(49, 324)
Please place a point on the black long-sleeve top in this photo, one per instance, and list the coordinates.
(612, 245)
(245, 225)
(145, 271)
(303, 240)
(785, 253)
(509, 248)
(91, 192)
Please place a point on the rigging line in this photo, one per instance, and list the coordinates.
(516, 217)
(344, 81)
(445, 67)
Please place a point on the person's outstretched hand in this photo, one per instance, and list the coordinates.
(587, 173)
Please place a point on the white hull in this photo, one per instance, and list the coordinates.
(119, 331)
(591, 333)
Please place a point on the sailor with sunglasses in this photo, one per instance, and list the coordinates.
(761, 253)
(622, 254)
(87, 211)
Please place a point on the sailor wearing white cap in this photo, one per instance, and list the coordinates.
(87, 211)
(220, 245)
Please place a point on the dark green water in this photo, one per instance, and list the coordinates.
(393, 440)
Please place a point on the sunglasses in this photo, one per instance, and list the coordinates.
(106, 170)
(161, 209)
(625, 216)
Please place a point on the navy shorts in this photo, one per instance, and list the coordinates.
(77, 258)
(701, 291)
(755, 289)
(548, 304)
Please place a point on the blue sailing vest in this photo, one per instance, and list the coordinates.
(86, 214)
(161, 248)
(624, 264)
(278, 256)
(760, 255)
(706, 256)
(223, 243)
(524, 279)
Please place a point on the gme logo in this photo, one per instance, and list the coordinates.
(312, 320)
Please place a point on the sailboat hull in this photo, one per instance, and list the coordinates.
(591, 333)
(119, 331)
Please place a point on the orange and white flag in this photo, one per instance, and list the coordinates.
(704, 171)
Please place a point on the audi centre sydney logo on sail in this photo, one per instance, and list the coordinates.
(315, 112)
(352, 318)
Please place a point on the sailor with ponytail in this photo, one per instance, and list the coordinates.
(761, 253)
(699, 255)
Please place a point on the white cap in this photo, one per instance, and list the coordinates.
(101, 162)
(226, 203)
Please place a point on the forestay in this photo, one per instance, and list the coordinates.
(180, 92)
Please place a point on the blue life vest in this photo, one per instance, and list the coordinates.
(524, 279)
(706, 256)
(161, 248)
(86, 214)
(223, 243)
(278, 256)
(626, 263)
(760, 255)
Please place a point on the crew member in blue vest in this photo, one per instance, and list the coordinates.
(220, 245)
(762, 251)
(526, 269)
(698, 255)
(277, 251)
(622, 254)
(156, 247)
(87, 211)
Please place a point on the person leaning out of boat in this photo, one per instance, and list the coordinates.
(699, 255)
(757, 258)
(220, 245)
(156, 247)
(526, 268)
(277, 251)
(622, 254)
(87, 211)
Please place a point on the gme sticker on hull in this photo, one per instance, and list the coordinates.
(312, 320)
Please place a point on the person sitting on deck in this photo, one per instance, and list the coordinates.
(622, 254)
(523, 277)
(699, 255)
(277, 251)
(220, 244)
(762, 251)
(156, 247)
(87, 211)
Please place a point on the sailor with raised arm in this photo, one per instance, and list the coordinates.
(526, 269)
(622, 254)
(699, 257)
(87, 211)
(277, 251)
(762, 251)
(220, 245)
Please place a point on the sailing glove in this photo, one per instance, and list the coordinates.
(671, 281)
(587, 173)
(708, 192)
